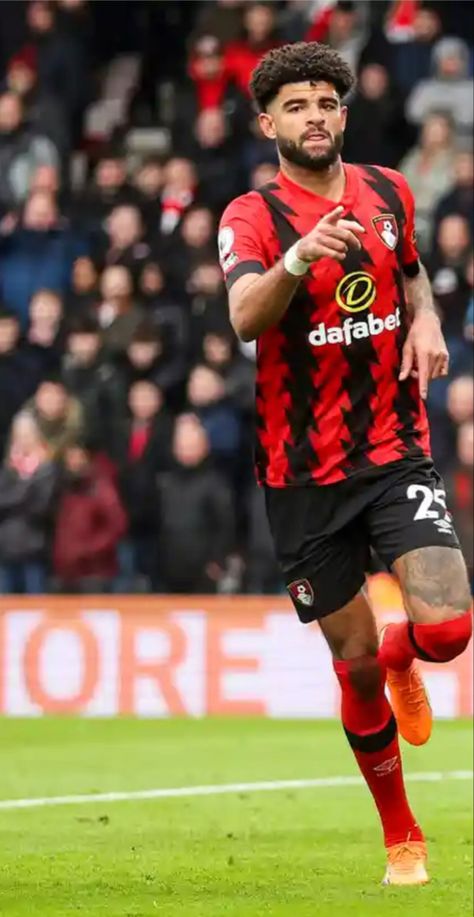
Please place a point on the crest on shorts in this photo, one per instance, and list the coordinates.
(301, 591)
(386, 227)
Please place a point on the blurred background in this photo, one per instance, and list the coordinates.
(126, 403)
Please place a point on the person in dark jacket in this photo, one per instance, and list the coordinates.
(154, 355)
(21, 370)
(43, 112)
(221, 419)
(124, 241)
(93, 382)
(460, 198)
(89, 525)
(28, 481)
(63, 59)
(108, 188)
(38, 254)
(144, 452)
(22, 150)
(195, 515)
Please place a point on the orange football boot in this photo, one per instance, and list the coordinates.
(406, 864)
(410, 702)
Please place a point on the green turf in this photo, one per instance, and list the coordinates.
(299, 853)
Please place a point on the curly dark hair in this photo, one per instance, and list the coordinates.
(296, 63)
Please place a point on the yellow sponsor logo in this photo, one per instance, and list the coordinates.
(356, 291)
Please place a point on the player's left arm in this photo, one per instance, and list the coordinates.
(425, 354)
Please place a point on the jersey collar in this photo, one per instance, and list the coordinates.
(347, 200)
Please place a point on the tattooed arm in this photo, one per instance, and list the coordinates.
(418, 294)
(425, 354)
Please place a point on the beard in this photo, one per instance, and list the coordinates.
(316, 161)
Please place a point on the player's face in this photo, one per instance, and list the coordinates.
(307, 121)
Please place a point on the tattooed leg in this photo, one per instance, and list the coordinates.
(437, 599)
(434, 584)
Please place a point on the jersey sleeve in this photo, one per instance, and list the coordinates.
(240, 240)
(410, 256)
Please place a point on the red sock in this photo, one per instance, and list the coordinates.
(370, 727)
(441, 642)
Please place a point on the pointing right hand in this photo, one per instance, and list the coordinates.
(330, 238)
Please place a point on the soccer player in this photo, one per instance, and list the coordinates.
(322, 270)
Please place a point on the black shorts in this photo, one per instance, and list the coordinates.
(323, 534)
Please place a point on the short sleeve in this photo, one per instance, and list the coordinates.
(241, 239)
(410, 255)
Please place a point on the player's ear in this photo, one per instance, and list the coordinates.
(267, 125)
(343, 116)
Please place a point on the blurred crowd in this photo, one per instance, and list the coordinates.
(126, 403)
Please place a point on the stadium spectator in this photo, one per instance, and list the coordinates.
(450, 89)
(448, 273)
(22, 150)
(109, 188)
(84, 293)
(194, 542)
(125, 243)
(461, 400)
(208, 399)
(376, 119)
(42, 111)
(208, 300)
(57, 414)
(220, 353)
(213, 149)
(256, 148)
(149, 357)
(208, 80)
(62, 59)
(45, 318)
(241, 56)
(412, 55)
(222, 18)
(28, 481)
(148, 180)
(37, 253)
(341, 26)
(90, 522)
(459, 199)
(179, 192)
(428, 169)
(144, 452)
(92, 382)
(118, 313)
(20, 373)
(194, 242)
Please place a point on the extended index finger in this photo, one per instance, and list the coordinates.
(332, 216)
(352, 225)
(423, 366)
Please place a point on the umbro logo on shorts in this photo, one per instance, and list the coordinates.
(301, 591)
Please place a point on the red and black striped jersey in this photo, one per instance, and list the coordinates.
(328, 398)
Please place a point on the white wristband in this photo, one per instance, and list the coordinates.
(293, 264)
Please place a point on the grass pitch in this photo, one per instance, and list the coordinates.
(289, 853)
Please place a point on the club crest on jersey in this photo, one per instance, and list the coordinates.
(301, 591)
(386, 227)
